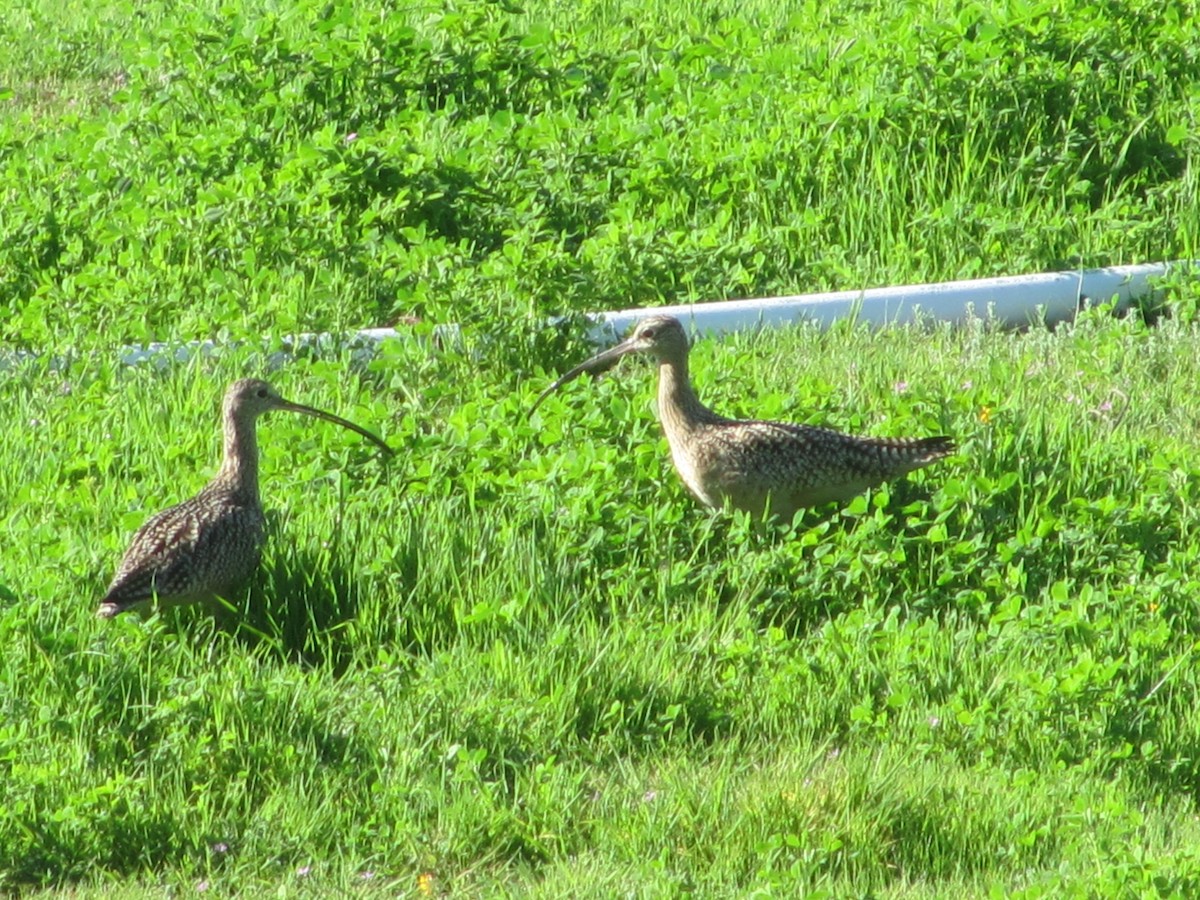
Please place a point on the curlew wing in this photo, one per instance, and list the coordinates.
(801, 465)
(195, 549)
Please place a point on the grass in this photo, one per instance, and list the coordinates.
(225, 170)
(520, 659)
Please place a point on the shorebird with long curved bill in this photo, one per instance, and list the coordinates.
(762, 467)
(208, 546)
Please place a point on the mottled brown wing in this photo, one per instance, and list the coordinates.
(802, 465)
(806, 446)
(195, 549)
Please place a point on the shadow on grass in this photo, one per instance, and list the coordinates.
(298, 608)
(1161, 738)
(313, 606)
(798, 587)
(640, 716)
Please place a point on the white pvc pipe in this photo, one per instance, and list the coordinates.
(1015, 301)
(361, 342)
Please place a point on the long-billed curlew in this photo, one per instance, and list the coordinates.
(208, 546)
(757, 466)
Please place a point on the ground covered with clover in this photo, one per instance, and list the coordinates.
(520, 659)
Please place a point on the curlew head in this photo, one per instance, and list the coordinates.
(249, 398)
(661, 337)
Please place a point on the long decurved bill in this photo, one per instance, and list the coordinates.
(601, 362)
(337, 420)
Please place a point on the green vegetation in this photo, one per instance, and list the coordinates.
(520, 660)
(169, 170)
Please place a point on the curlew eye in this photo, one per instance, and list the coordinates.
(648, 332)
(262, 393)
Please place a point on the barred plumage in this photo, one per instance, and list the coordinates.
(208, 546)
(754, 465)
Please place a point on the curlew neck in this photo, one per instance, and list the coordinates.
(679, 409)
(239, 464)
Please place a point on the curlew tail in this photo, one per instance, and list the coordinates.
(910, 454)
